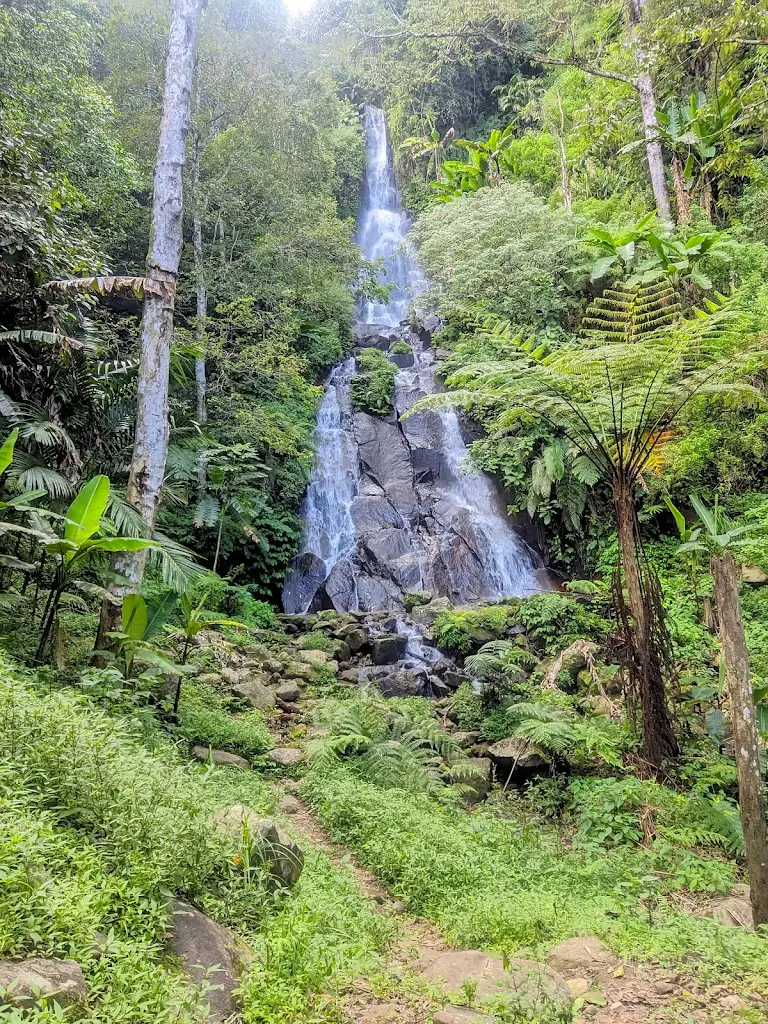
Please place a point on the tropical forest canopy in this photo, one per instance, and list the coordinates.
(588, 185)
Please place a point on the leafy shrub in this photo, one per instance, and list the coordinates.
(555, 621)
(204, 717)
(315, 641)
(254, 613)
(373, 387)
(461, 631)
(503, 248)
(401, 348)
(468, 707)
(389, 744)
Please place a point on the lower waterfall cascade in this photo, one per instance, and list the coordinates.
(393, 507)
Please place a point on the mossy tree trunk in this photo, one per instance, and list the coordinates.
(743, 717)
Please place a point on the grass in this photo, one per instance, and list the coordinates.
(97, 831)
(504, 885)
(204, 717)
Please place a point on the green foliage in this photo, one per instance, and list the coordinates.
(496, 882)
(461, 631)
(386, 743)
(205, 716)
(401, 348)
(555, 621)
(373, 386)
(503, 249)
(315, 641)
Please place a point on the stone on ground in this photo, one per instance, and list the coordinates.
(207, 951)
(201, 753)
(25, 982)
(255, 693)
(232, 819)
(461, 1015)
(317, 659)
(289, 692)
(356, 639)
(210, 679)
(735, 911)
(283, 857)
(285, 757)
(290, 805)
(583, 957)
(299, 670)
(386, 650)
(527, 988)
(515, 755)
(480, 784)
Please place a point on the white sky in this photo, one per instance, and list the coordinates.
(298, 6)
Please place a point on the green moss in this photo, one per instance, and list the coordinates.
(316, 641)
(465, 630)
(373, 387)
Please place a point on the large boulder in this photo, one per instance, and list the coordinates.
(288, 692)
(285, 757)
(356, 639)
(299, 670)
(223, 757)
(305, 574)
(516, 757)
(316, 659)
(281, 856)
(386, 650)
(255, 693)
(207, 952)
(528, 990)
(24, 983)
(735, 911)
(386, 458)
(426, 614)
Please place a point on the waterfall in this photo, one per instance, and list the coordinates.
(393, 506)
(383, 228)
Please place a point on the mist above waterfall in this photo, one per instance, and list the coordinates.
(393, 507)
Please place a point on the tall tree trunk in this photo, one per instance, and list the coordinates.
(565, 181)
(647, 93)
(202, 300)
(659, 743)
(145, 479)
(751, 801)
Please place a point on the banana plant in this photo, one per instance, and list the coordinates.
(141, 623)
(194, 618)
(716, 535)
(75, 550)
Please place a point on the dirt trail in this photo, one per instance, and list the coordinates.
(638, 994)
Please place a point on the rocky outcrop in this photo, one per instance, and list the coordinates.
(418, 522)
(282, 857)
(24, 983)
(515, 757)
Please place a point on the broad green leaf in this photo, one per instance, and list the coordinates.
(158, 613)
(86, 510)
(6, 451)
(678, 517)
(167, 667)
(134, 616)
(118, 544)
(602, 266)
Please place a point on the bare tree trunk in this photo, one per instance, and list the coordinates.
(145, 479)
(659, 743)
(565, 181)
(644, 84)
(202, 301)
(751, 801)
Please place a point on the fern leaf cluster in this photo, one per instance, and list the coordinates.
(624, 314)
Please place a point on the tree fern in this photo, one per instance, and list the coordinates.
(624, 314)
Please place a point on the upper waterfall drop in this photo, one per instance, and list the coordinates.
(392, 506)
(383, 228)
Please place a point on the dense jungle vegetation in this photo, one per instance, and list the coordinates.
(589, 190)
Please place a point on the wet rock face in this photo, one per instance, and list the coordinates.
(416, 522)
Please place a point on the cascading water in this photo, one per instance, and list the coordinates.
(383, 228)
(392, 507)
